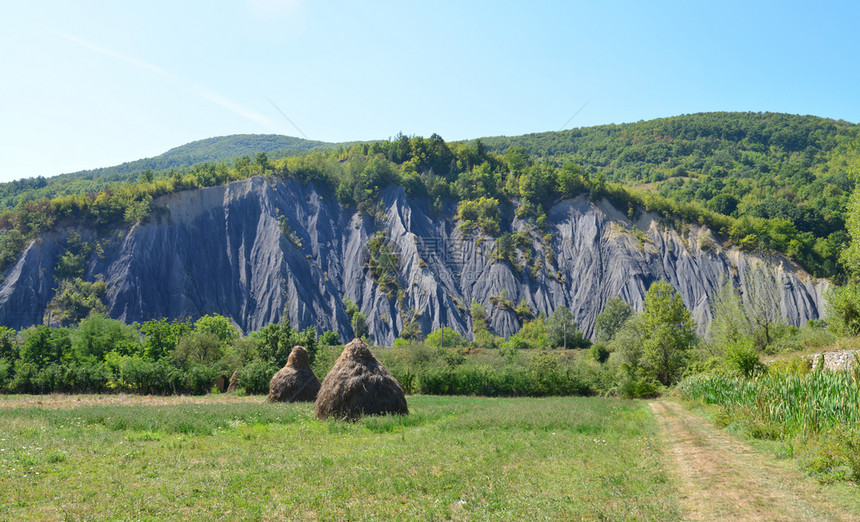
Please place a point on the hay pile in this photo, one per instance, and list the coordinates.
(221, 383)
(296, 381)
(234, 382)
(358, 384)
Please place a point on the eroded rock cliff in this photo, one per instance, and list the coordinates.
(253, 249)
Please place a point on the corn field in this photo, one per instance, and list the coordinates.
(800, 403)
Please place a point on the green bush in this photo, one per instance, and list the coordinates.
(197, 379)
(146, 376)
(638, 388)
(329, 338)
(255, 376)
(741, 357)
(59, 378)
(544, 376)
(7, 370)
(599, 352)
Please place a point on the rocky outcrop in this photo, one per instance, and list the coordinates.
(834, 360)
(255, 249)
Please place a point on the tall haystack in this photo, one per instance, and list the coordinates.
(234, 382)
(358, 384)
(295, 382)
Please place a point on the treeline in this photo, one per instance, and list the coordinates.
(484, 188)
(756, 165)
(812, 413)
(99, 354)
(211, 150)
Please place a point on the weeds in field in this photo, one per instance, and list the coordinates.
(815, 412)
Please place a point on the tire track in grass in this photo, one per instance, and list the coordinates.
(721, 478)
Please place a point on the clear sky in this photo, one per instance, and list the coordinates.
(90, 84)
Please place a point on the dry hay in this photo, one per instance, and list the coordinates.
(295, 382)
(358, 384)
(234, 382)
(221, 383)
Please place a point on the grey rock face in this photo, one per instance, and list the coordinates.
(225, 250)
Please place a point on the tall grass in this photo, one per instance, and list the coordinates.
(799, 402)
(815, 414)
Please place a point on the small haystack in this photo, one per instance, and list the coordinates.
(296, 381)
(234, 382)
(221, 383)
(358, 384)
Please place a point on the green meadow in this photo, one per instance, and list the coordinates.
(219, 458)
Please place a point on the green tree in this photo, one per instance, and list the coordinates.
(730, 320)
(329, 338)
(609, 321)
(627, 343)
(219, 326)
(851, 256)
(524, 311)
(349, 307)
(277, 343)
(445, 338)
(162, 336)
(843, 303)
(74, 300)
(44, 345)
(563, 332)
(570, 180)
(11, 244)
(9, 349)
(262, 160)
(479, 317)
(197, 348)
(843, 309)
(97, 335)
(359, 325)
(669, 332)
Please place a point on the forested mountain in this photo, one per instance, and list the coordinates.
(209, 150)
(765, 165)
(386, 225)
(762, 182)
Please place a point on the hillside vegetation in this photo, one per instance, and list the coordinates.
(765, 165)
(196, 152)
(761, 181)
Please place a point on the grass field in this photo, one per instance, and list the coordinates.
(217, 457)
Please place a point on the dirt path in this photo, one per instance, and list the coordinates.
(721, 478)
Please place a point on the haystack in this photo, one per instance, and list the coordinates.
(221, 383)
(234, 382)
(358, 384)
(295, 382)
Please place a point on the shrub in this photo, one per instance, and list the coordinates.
(255, 376)
(843, 309)
(25, 377)
(198, 378)
(6, 373)
(638, 388)
(146, 376)
(329, 338)
(599, 352)
(741, 357)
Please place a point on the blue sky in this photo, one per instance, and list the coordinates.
(89, 84)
